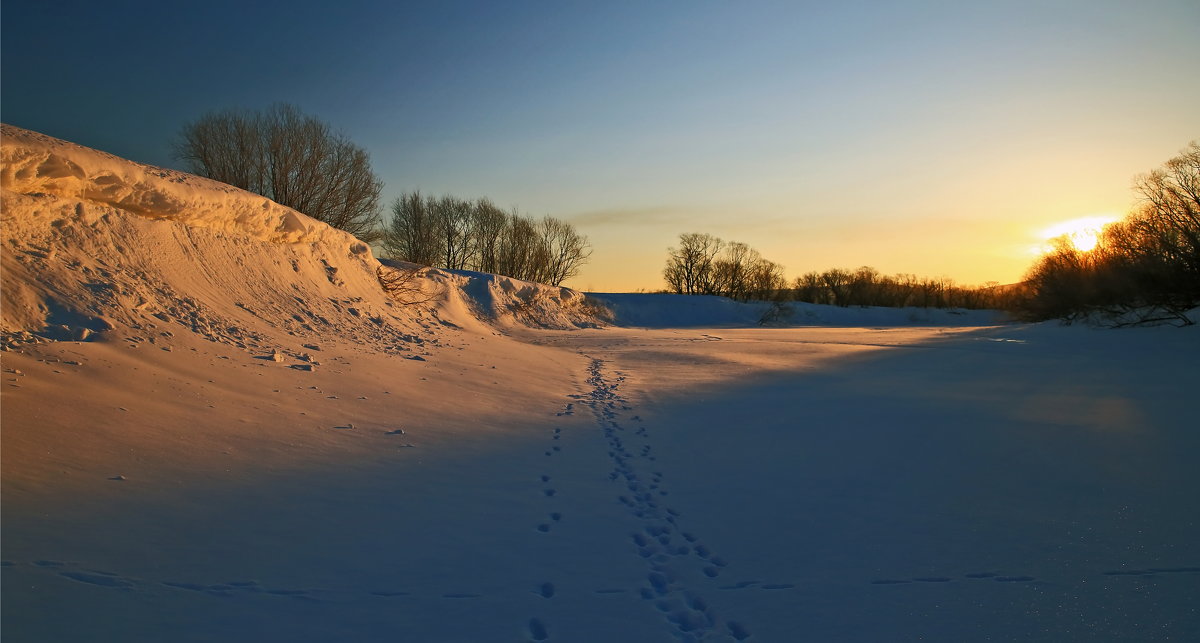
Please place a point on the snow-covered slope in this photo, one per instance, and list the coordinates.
(676, 311)
(92, 242)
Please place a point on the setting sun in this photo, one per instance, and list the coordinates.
(1082, 232)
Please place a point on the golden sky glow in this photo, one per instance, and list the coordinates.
(1082, 232)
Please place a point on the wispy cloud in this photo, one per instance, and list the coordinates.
(647, 216)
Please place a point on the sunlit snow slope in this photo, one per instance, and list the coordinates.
(93, 242)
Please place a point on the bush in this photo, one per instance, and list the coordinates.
(290, 158)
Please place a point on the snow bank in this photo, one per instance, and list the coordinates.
(673, 311)
(509, 301)
(94, 242)
(36, 165)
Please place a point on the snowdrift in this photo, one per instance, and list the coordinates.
(674, 311)
(93, 242)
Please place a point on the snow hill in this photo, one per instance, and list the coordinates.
(93, 242)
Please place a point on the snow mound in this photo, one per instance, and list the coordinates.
(36, 165)
(94, 243)
(505, 301)
(676, 311)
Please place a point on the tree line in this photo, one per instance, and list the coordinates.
(300, 162)
(706, 265)
(459, 234)
(1145, 267)
(866, 286)
(703, 264)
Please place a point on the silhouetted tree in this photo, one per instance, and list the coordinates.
(449, 232)
(290, 158)
(1143, 268)
(566, 250)
(689, 268)
(411, 234)
(487, 224)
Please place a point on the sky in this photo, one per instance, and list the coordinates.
(931, 138)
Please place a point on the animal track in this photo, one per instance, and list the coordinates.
(102, 579)
(668, 557)
(537, 630)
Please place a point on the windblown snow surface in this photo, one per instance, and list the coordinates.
(218, 427)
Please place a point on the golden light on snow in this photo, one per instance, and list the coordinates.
(1082, 232)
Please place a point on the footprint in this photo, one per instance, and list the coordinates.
(711, 572)
(287, 592)
(737, 630)
(546, 590)
(194, 587)
(537, 630)
(544, 528)
(103, 580)
(545, 478)
(549, 492)
(556, 516)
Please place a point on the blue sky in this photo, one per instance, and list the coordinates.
(927, 137)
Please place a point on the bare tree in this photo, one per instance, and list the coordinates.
(290, 158)
(689, 267)
(453, 219)
(518, 254)
(411, 234)
(566, 250)
(487, 225)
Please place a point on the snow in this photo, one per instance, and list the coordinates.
(683, 311)
(254, 443)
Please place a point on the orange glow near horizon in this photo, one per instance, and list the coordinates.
(1082, 232)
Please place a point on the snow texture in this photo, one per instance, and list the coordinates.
(218, 427)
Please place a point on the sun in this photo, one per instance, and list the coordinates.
(1083, 232)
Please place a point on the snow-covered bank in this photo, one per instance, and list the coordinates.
(93, 242)
(681, 311)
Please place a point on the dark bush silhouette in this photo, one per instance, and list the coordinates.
(1145, 268)
(290, 158)
(866, 286)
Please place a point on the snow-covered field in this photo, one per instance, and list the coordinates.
(222, 429)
